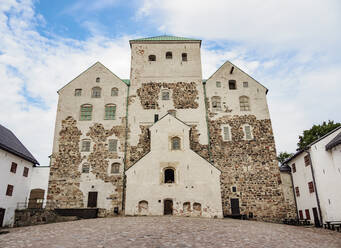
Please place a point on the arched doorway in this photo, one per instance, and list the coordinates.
(168, 207)
(36, 198)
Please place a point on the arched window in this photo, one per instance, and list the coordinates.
(86, 112)
(232, 85)
(96, 92)
(152, 57)
(114, 92)
(169, 55)
(85, 168)
(110, 112)
(176, 143)
(115, 168)
(184, 56)
(216, 102)
(85, 145)
(244, 103)
(248, 132)
(169, 175)
(165, 95)
(143, 207)
(98, 80)
(196, 206)
(187, 207)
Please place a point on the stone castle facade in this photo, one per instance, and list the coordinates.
(166, 141)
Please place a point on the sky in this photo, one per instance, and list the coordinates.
(292, 47)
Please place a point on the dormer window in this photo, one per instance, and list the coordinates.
(184, 56)
(169, 55)
(152, 58)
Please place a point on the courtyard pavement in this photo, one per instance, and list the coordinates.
(168, 232)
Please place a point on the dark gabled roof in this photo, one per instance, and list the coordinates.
(10, 143)
(334, 142)
(312, 143)
(284, 168)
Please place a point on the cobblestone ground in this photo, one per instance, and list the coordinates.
(168, 232)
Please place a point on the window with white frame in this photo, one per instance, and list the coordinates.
(248, 132)
(85, 168)
(86, 145)
(112, 145)
(226, 133)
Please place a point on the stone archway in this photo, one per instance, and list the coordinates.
(36, 198)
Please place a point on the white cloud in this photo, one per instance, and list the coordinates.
(42, 66)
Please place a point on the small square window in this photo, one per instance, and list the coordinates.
(232, 85)
(165, 95)
(25, 173)
(14, 167)
(234, 189)
(115, 168)
(112, 145)
(245, 84)
(9, 190)
(78, 92)
(218, 84)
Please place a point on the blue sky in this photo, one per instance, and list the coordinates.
(291, 47)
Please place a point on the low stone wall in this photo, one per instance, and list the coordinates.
(30, 217)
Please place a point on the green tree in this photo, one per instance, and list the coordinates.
(314, 133)
(282, 156)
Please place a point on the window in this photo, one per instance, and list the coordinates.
(9, 190)
(96, 92)
(165, 95)
(311, 187)
(248, 132)
(175, 143)
(306, 160)
(169, 55)
(300, 214)
(85, 168)
(244, 103)
(297, 190)
(216, 102)
(234, 189)
(25, 173)
(152, 58)
(114, 92)
(307, 214)
(98, 80)
(78, 92)
(226, 133)
(293, 168)
(169, 175)
(245, 84)
(112, 145)
(115, 168)
(156, 118)
(85, 146)
(110, 112)
(184, 56)
(232, 85)
(14, 167)
(86, 112)
(218, 84)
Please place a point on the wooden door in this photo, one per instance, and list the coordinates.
(2, 216)
(92, 199)
(235, 207)
(316, 218)
(168, 207)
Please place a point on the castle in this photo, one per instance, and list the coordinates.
(166, 141)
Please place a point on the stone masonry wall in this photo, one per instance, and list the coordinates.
(184, 95)
(64, 180)
(250, 166)
(65, 176)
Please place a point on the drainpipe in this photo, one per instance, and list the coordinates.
(125, 154)
(208, 128)
(317, 196)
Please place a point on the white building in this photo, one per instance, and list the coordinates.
(316, 173)
(15, 175)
